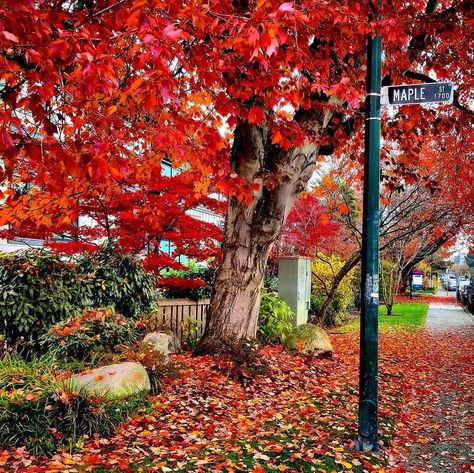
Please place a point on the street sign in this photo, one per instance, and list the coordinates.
(406, 94)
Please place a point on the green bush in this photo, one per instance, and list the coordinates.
(270, 283)
(37, 412)
(336, 313)
(38, 289)
(324, 268)
(117, 280)
(92, 332)
(274, 319)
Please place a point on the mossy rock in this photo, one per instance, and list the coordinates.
(309, 339)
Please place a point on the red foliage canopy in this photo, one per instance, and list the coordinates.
(96, 94)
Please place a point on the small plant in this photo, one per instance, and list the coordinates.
(274, 319)
(91, 332)
(191, 332)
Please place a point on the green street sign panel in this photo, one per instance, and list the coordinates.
(435, 92)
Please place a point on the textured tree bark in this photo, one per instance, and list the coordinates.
(250, 231)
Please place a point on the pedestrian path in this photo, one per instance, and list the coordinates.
(447, 316)
(435, 431)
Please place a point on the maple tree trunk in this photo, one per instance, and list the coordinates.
(250, 231)
(235, 300)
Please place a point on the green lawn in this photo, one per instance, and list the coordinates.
(404, 316)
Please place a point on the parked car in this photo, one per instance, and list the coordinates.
(452, 283)
(470, 298)
(463, 283)
(462, 295)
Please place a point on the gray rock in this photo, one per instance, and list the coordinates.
(158, 342)
(113, 381)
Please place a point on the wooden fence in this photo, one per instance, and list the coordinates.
(177, 314)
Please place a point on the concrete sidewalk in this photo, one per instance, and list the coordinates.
(447, 316)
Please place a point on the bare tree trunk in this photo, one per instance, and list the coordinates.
(250, 231)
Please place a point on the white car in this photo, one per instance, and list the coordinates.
(452, 284)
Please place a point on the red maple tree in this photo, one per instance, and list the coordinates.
(241, 95)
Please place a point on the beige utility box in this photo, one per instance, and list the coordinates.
(294, 285)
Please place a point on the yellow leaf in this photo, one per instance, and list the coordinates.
(111, 110)
(347, 465)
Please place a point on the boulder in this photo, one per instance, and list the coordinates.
(159, 342)
(309, 339)
(113, 381)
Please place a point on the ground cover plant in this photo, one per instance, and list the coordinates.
(90, 333)
(40, 413)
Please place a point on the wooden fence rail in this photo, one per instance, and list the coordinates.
(177, 314)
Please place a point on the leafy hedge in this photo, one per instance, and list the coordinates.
(39, 289)
(117, 280)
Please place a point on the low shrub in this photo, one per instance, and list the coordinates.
(36, 411)
(274, 319)
(270, 283)
(200, 279)
(324, 268)
(89, 334)
(336, 314)
(39, 289)
(117, 280)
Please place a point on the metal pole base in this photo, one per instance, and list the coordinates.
(363, 444)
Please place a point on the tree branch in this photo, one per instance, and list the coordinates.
(425, 78)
